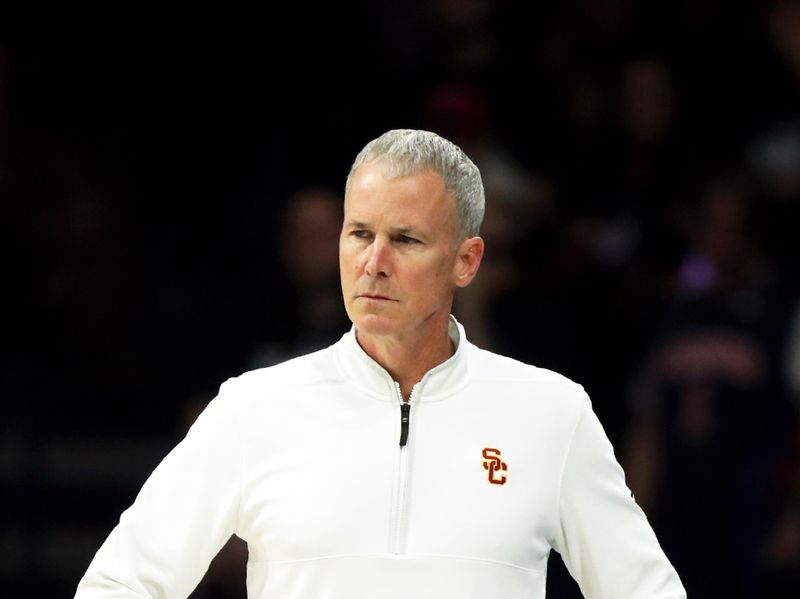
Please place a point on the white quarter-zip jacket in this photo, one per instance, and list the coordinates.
(342, 492)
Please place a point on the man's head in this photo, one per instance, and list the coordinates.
(407, 243)
(405, 152)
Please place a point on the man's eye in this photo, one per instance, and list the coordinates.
(406, 239)
(360, 233)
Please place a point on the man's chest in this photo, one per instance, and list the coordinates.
(332, 478)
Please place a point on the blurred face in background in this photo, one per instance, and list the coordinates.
(311, 226)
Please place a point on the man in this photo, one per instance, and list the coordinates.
(402, 461)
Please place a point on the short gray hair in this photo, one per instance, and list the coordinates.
(406, 152)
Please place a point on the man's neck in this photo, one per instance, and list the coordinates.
(407, 359)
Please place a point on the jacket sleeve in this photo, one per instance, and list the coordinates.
(604, 537)
(185, 512)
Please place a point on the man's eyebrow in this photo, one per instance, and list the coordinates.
(355, 224)
(405, 231)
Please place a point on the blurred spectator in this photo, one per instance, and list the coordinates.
(620, 192)
(773, 148)
(780, 556)
(519, 206)
(83, 295)
(467, 34)
(783, 30)
(711, 420)
(774, 159)
(307, 293)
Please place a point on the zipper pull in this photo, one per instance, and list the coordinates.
(405, 416)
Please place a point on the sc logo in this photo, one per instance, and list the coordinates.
(495, 466)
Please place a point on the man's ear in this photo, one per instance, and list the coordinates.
(470, 254)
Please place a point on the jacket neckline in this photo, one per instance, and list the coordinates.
(443, 379)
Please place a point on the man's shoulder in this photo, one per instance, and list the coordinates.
(491, 366)
(309, 369)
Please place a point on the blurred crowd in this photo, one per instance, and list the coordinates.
(642, 170)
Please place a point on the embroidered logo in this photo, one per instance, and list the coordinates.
(493, 463)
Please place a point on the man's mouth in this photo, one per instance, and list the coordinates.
(374, 296)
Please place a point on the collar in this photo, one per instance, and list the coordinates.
(358, 367)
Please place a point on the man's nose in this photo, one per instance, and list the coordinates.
(378, 259)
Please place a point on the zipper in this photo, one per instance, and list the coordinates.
(405, 417)
(402, 469)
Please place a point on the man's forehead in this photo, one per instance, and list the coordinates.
(396, 213)
(416, 201)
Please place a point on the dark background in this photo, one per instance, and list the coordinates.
(165, 181)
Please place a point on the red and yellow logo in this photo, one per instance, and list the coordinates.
(493, 463)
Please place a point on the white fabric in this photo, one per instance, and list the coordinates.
(302, 460)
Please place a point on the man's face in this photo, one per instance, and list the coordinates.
(399, 255)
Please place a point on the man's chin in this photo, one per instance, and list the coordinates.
(375, 324)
